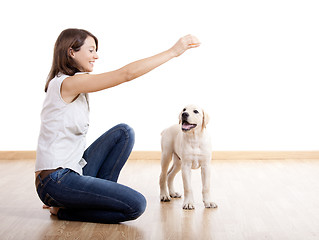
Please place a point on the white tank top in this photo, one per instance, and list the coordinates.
(62, 137)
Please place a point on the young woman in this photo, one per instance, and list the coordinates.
(81, 184)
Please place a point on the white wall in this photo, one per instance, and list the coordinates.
(256, 72)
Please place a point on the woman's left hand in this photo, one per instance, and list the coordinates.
(184, 43)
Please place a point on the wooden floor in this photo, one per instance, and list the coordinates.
(257, 199)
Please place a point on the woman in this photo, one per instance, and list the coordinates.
(76, 183)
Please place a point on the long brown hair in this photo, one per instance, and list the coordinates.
(71, 38)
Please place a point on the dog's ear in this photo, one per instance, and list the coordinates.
(180, 118)
(205, 119)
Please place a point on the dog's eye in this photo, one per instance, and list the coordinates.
(184, 109)
(195, 111)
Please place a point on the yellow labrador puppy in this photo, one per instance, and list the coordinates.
(189, 144)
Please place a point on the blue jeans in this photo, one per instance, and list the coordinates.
(96, 196)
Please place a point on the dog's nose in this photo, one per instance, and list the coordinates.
(185, 115)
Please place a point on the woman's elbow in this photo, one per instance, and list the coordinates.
(127, 74)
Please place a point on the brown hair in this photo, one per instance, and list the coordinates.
(62, 62)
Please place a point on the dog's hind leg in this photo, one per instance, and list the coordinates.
(176, 167)
(165, 160)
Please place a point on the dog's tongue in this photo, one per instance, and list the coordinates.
(187, 126)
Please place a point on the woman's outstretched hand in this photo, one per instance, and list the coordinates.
(184, 43)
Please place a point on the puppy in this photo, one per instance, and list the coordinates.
(189, 144)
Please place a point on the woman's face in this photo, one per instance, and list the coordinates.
(87, 55)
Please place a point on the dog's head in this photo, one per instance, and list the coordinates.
(193, 118)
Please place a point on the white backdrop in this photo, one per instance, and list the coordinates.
(256, 72)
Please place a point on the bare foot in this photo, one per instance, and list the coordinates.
(54, 210)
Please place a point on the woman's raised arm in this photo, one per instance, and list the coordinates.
(85, 83)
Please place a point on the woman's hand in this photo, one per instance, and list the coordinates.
(184, 43)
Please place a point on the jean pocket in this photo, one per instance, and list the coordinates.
(50, 201)
(58, 175)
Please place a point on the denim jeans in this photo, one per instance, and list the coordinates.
(96, 196)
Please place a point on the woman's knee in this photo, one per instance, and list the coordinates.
(139, 207)
(125, 133)
(129, 131)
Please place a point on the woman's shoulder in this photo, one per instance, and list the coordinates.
(60, 77)
(56, 82)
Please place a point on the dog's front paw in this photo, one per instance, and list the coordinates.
(210, 205)
(175, 195)
(165, 198)
(188, 206)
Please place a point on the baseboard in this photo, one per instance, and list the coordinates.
(217, 155)
(17, 155)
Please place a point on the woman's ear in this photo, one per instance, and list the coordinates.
(71, 53)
